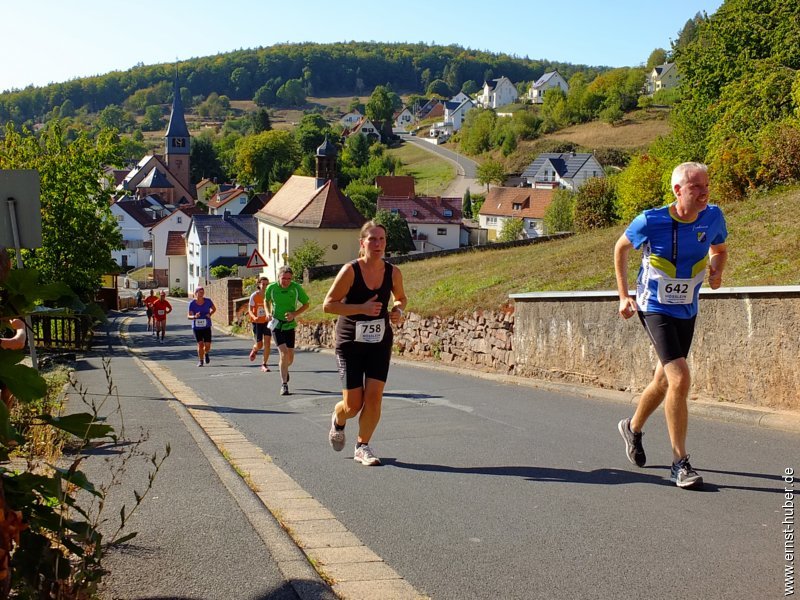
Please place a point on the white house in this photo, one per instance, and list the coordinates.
(497, 93)
(548, 81)
(350, 119)
(454, 114)
(161, 233)
(214, 240)
(404, 118)
(459, 98)
(434, 222)
(567, 170)
(365, 126)
(662, 77)
(526, 204)
(135, 218)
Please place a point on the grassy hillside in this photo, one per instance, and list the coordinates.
(432, 174)
(764, 247)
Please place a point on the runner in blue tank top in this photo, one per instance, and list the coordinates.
(680, 243)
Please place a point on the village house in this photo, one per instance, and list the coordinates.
(567, 170)
(236, 200)
(214, 240)
(404, 118)
(309, 209)
(662, 77)
(526, 204)
(367, 128)
(350, 119)
(548, 81)
(497, 93)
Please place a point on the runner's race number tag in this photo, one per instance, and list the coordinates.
(676, 291)
(199, 323)
(261, 312)
(161, 312)
(370, 332)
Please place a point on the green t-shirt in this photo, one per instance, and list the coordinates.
(285, 300)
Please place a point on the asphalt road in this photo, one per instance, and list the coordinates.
(466, 168)
(494, 490)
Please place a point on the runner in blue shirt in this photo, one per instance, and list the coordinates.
(680, 243)
(200, 311)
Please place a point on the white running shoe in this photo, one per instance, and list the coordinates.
(366, 457)
(336, 436)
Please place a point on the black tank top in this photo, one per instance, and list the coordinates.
(360, 293)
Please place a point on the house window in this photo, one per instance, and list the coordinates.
(395, 211)
(243, 200)
(413, 232)
(120, 218)
(414, 212)
(516, 206)
(242, 250)
(179, 219)
(491, 220)
(441, 231)
(191, 270)
(448, 212)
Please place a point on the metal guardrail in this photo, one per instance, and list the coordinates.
(62, 332)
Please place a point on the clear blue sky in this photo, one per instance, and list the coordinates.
(44, 41)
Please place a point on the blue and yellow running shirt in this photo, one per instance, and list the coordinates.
(674, 258)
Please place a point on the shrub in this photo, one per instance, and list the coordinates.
(309, 254)
(177, 292)
(780, 153)
(511, 230)
(641, 186)
(560, 215)
(222, 271)
(595, 204)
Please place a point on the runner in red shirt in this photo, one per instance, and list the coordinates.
(148, 302)
(161, 308)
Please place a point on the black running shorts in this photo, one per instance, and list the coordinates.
(671, 337)
(260, 330)
(358, 362)
(203, 335)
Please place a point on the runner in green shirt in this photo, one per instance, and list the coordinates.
(286, 300)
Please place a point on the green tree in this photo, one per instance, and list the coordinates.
(438, 87)
(595, 204)
(560, 214)
(379, 106)
(511, 230)
(78, 230)
(466, 205)
(291, 93)
(641, 186)
(114, 117)
(260, 121)
(152, 118)
(398, 236)
(308, 254)
(491, 171)
(241, 83)
(470, 87)
(657, 57)
(264, 96)
(204, 161)
(364, 196)
(477, 131)
(310, 132)
(356, 151)
(266, 158)
(555, 111)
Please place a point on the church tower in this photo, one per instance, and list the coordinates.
(326, 163)
(177, 141)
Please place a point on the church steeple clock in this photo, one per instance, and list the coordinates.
(177, 140)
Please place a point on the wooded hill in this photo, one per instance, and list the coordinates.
(322, 69)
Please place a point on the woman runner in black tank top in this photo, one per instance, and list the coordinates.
(361, 296)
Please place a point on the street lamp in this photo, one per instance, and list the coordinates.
(153, 255)
(208, 249)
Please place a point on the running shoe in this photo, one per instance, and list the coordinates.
(208, 357)
(684, 475)
(285, 389)
(253, 353)
(633, 443)
(264, 369)
(200, 363)
(336, 436)
(366, 457)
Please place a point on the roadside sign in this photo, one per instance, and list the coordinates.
(256, 261)
(23, 188)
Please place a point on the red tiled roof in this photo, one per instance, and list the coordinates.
(176, 244)
(397, 186)
(299, 203)
(423, 209)
(532, 203)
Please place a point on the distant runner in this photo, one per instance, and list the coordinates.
(257, 311)
(286, 300)
(200, 311)
(361, 295)
(148, 302)
(161, 308)
(680, 243)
